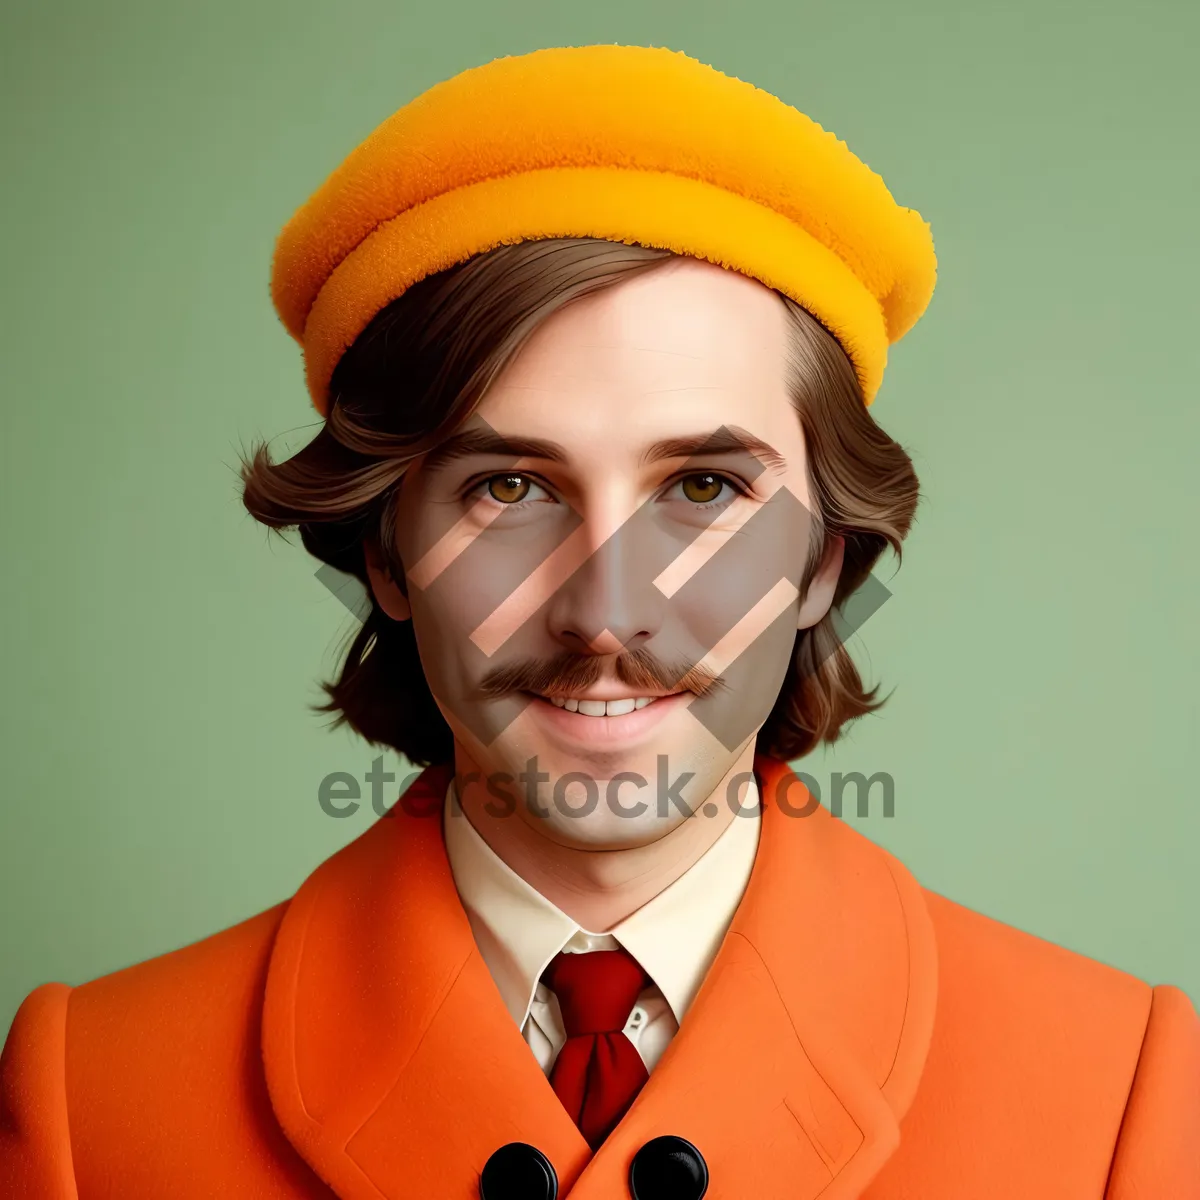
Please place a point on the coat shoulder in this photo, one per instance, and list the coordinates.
(172, 1047)
(161, 1053)
(1021, 1020)
(202, 988)
(988, 964)
(1032, 1066)
(198, 993)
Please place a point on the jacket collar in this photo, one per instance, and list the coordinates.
(674, 936)
(395, 1069)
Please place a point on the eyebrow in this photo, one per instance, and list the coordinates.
(470, 443)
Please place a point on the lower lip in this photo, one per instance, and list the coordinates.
(607, 731)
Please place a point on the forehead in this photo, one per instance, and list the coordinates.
(686, 347)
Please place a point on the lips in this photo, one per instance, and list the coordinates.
(609, 724)
(601, 708)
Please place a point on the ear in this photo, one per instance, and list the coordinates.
(823, 585)
(387, 592)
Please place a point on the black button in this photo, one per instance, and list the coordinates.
(518, 1172)
(668, 1168)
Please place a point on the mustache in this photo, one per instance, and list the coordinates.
(568, 672)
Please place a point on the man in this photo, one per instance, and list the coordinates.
(595, 332)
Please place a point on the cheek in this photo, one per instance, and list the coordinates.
(739, 615)
(753, 574)
(750, 650)
(442, 626)
(472, 616)
(451, 619)
(453, 666)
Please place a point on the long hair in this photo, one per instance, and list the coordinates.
(421, 368)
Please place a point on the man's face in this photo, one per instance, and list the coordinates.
(621, 527)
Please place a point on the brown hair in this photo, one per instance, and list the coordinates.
(419, 370)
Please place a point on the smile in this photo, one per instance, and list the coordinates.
(619, 724)
(600, 708)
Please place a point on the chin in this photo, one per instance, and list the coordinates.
(604, 830)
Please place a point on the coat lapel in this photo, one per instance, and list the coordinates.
(804, 1046)
(391, 1062)
(395, 1069)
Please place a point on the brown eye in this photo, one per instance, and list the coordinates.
(508, 489)
(702, 489)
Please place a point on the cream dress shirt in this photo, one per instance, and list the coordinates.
(674, 936)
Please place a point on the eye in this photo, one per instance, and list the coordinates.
(708, 489)
(508, 489)
(511, 490)
(702, 489)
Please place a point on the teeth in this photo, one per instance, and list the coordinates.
(601, 708)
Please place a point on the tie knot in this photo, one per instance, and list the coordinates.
(596, 991)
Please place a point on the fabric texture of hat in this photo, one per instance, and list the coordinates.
(629, 143)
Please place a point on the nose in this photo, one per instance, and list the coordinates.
(609, 603)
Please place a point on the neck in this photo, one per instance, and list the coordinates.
(599, 888)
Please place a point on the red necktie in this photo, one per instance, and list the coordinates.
(598, 1071)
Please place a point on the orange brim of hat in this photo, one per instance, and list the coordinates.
(627, 143)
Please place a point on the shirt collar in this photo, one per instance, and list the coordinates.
(675, 936)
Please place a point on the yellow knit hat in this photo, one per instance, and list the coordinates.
(628, 143)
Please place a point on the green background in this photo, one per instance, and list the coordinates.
(159, 650)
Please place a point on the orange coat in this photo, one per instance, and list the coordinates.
(857, 1036)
